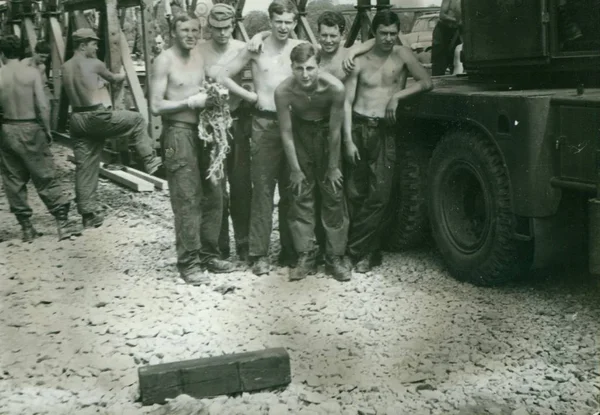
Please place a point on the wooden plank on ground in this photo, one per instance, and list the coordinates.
(158, 182)
(212, 376)
(122, 177)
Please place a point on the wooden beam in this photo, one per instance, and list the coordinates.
(149, 33)
(156, 181)
(122, 177)
(30, 33)
(132, 78)
(212, 376)
(113, 42)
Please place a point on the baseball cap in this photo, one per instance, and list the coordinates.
(220, 15)
(84, 34)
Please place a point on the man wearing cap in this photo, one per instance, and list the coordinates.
(219, 49)
(24, 144)
(268, 165)
(197, 203)
(93, 120)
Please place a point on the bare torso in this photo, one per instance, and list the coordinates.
(379, 78)
(213, 57)
(83, 85)
(17, 96)
(185, 78)
(314, 105)
(269, 69)
(333, 63)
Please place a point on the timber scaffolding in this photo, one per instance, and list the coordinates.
(56, 20)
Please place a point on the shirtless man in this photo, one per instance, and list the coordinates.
(177, 96)
(24, 143)
(93, 120)
(310, 107)
(268, 164)
(221, 49)
(373, 91)
(39, 58)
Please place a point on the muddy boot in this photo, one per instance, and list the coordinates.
(29, 232)
(218, 266)
(242, 252)
(338, 268)
(65, 228)
(261, 265)
(306, 266)
(363, 265)
(152, 164)
(287, 258)
(92, 220)
(196, 277)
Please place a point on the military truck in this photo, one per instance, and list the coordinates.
(500, 164)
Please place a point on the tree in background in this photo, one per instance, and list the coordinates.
(256, 21)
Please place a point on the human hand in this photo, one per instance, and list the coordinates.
(197, 101)
(296, 180)
(334, 176)
(253, 98)
(255, 44)
(390, 110)
(348, 65)
(352, 153)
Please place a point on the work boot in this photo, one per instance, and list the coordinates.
(338, 268)
(218, 266)
(287, 258)
(306, 266)
(196, 277)
(152, 164)
(261, 265)
(92, 220)
(65, 227)
(363, 265)
(242, 251)
(29, 232)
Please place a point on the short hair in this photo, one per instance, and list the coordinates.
(10, 46)
(181, 17)
(43, 47)
(282, 6)
(77, 43)
(386, 18)
(332, 19)
(303, 52)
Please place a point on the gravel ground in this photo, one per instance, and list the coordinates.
(79, 317)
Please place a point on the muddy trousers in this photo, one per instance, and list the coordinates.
(197, 204)
(445, 40)
(268, 167)
(369, 183)
(88, 131)
(311, 140)
(237, 202)
(25, 154)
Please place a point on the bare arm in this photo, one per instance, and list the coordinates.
(336, 121)
(418, 72)
(104, 73)
(350, 95)
(232, 68)
(284, 115)
(158, 104)
(41, 102)
(360, 48)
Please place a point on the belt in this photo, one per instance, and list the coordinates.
(271, 115)
(180, 124)
(90, 108)
(313, 122)
(13, 121)
(370, 121)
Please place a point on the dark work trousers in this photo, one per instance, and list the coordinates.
(369, 183)
(197, 204)
(268, 167)
(237, 202)
(25, 154)
(311, 140)
(89, 129)
(445, 40)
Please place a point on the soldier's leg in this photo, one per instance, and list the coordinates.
(183, 175)
(88, 153)
(287, 255)
(224, 247)
(132, 125)
(240, 184)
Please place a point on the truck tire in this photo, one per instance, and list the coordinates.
(470, 210)
(409, 225)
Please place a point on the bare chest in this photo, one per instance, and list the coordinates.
(388, 73)
(185, 75)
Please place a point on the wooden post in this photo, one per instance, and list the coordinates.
(240, 30)
(148, 35)
(361, 23)
(303, 25)
(113, 45)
